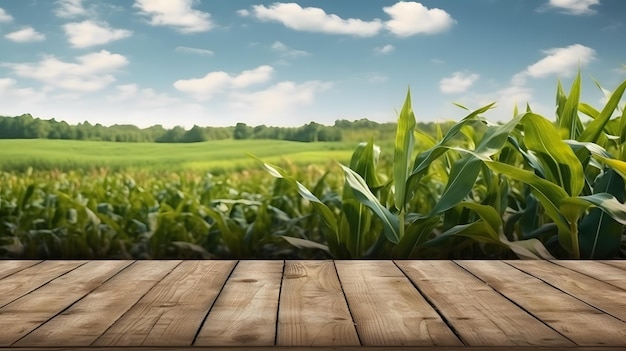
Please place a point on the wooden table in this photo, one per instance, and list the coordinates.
(308, 305)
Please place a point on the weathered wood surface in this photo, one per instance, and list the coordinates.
(308, 305)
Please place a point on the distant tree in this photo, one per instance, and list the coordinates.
(173, 135)
(194, 135)
(242, 131)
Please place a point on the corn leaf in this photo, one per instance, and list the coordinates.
(600, 235)
(562, 165)
(568, 119)
(460, 182)
(391, 224)
(594, 129)
(403, 149)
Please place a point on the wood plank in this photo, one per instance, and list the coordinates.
(601, 295)
(23, 315)
(479, 315)
(341, 348)
(245, 311)
(312, 309)
(31, 278)
(9, 267)
(615, 263)
(87, 319)
(172, 311)
(581, 323)
(387, 308)
(607, 273)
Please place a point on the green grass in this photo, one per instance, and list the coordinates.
(214, 156)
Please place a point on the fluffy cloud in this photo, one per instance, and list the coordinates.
(407, 18)
(70, 8)
(90, 72)
(4, 16)
(384, 50)
(89, 33)
(410, 18)
(277, 104)
(25, 35)
(205, 87)
(563, 61)
(196, 51)
(286, 51)
(313, 19)
(458, 82)
(175, 13)
(574, 7)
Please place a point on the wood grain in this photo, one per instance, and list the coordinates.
(387, 308)
(599, 294)
(86, 320)
(598, 270)
(576, 320)
(479, 315)
(23, 315)
(615, 263)
(245, 311)
(313, 310)
(171, 312)
(31, 278)
(9, 267)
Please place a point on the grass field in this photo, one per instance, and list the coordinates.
(214, 156)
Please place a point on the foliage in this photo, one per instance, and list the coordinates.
(527, 188)
(517, 190)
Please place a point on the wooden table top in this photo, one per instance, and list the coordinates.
(308, 305)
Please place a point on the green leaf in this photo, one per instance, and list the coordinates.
(594, 129)
(424, 159)
(416, 233)
(306, 244)
(568, 119)
(460, 182)
(391, 224)
(600, 235)
(364, 160)
(403, 150)
(327, 215)
(562, 165)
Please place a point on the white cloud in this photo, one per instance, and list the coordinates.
(9, 90)
(140, 98)
(175, 13)
(90, 72)
(458, 82)
(203, 88)
(287, 52)
(375, 77)
(562, 61)
(278, 104)
(4, 16)
(410, 18)
(188, 50)
(89, 33)
(25, 35)
(573, 7)
(313, 19)
(437, 61)
(70, 8)
(384, 50)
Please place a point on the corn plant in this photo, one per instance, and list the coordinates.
(515, 189)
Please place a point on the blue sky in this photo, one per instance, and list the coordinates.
(216, 63)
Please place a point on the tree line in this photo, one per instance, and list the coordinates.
(28, 127)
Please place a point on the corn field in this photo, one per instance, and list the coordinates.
(531, 188)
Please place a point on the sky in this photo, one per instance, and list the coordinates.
(217, 62)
